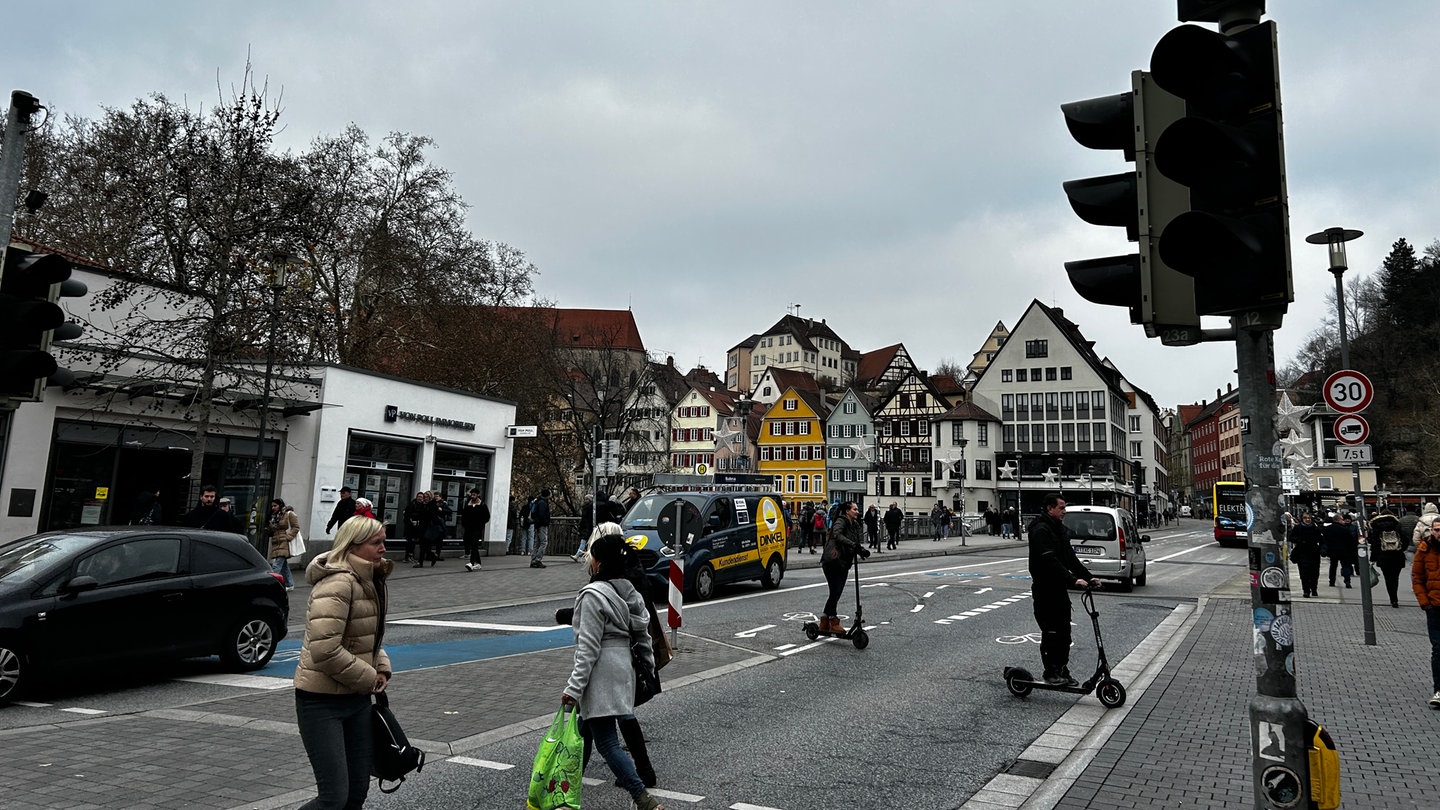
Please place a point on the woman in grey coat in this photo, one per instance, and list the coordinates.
(610, 616)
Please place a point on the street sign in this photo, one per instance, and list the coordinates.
(1351, 429)
(522, 431)
(1357, 453)
(1348, 391)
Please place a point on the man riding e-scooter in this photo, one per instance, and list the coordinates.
(1054, 569)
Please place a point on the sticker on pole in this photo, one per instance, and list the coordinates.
(1352, 428)
(1348, 391)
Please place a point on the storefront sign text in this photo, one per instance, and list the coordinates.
(394, 414)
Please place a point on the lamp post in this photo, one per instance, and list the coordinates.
(964, 528)
(1335, 239)
(1090, 479)
(279, 268)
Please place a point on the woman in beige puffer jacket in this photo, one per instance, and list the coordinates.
(342, 662)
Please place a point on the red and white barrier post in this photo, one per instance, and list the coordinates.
(677, 600)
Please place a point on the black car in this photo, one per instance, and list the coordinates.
(92, 596)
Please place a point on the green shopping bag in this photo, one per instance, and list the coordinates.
(555, 778)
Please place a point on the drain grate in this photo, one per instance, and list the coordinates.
(1031, 768)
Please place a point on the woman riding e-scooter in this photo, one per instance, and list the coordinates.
(843, 544)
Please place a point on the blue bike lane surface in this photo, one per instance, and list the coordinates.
(431, 654)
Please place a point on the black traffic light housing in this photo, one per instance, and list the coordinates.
(1142, 201)
(1227, 150)
(30, 283)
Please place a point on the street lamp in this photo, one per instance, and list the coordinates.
(1335, 239)
(1090, 479)
(279, 269)
(964, 529)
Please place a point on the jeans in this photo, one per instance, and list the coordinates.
(335, 730)
(1005, 529)
(542, 539)
(472, 547)
(1052, 613)
(281, 566)
(1345, 564)
(528, 544)
(835, 575)
(1432, 623)
(607, 741)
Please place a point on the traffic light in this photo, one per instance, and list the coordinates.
(1227, 150)
(1141, 201)
(30, 283)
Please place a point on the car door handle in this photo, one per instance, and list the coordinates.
(173, 596)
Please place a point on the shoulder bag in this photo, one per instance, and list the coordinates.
(297, 543)
(394, 756)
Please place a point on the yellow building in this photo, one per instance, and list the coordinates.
(792, 447)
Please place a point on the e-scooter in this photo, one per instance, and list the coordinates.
(1110, 691)
(856, 633)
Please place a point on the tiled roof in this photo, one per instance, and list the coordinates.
(873, 364)
(612, 329)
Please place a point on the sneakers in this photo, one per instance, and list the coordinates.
(472, 566)
(537, 564)
(647, 802)
(1061, 680)
(1435, 701)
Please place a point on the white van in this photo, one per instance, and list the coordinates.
(1107, 542)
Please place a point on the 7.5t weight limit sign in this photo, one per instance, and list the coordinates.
(1348, 391)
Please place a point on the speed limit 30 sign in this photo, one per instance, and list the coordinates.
(1348, 391)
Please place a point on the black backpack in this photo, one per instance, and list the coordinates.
(394, 755)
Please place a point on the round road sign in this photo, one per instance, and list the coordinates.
(1352, 429)
(1348, 391)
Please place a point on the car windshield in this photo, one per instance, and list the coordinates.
(34, 557)
(645, 514)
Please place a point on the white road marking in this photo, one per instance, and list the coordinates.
(33, 705)
(783, 647)
(676, 795)
(1179, 553)
(917, 608)
(751, 633)
(509, 628)
(744, 806)
(84, 711)
(481, 763)
(984, 590)
(241, 681)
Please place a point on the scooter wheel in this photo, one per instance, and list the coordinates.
(1017, 680)
(861, 639)
(812, 630)
(1111, 693)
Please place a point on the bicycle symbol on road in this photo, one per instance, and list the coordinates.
(1025, 639)
(801, 616)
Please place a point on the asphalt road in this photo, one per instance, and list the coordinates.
(921, 716)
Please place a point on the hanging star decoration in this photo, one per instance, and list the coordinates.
(1052, 475)
(1296, 444)
(864, 450)
(723, 433)
(1009, 470)
(1289, 414)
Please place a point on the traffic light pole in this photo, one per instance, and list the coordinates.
(12, 158)
(1278, 744)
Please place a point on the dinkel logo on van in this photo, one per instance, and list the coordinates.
(769, 514)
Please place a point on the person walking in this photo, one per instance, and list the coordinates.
(1054, 569)
(1425, 577)
(343, 662)
(364, 507)
(147, 510)
(1387, 549)
(609, 618)
(512, 521)
(473, 517)
(817, 529)
(437, 525)
(203, 516)
(344, 509)
(1341, 542)
(937, 520)
(590, 508)
(415, 527)
(872, 527)
(282, 528)
(893, 520)
(1307, 544)
(1422, 524)
(527, 527)
(540, 517)
(225, 519)
(1008, 528)
(841, 548)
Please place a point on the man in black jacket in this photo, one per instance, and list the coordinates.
(1054, 569)
(344, 510)
(206, 514)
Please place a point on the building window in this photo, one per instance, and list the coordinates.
(1005, 375)
(982, 469)
(905, 428)
(819, 483)
(1098, 398)
(922, 428)
(849, 408)
(1050, 374)
(791, 405)
(1037, 348)
(1134, 424)
(1136, 450)
(982, 434)
(957, 431)
(1065, 372)
(1020, 375)
(804, 484)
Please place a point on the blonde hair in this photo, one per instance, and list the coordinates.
(356, 530)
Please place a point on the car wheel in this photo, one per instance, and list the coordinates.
(1127, 584)
(14, 671)
(1144, 572)
(704, 583)
(249, 644)
(773, 572)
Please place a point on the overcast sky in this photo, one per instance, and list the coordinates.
(892, 167)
